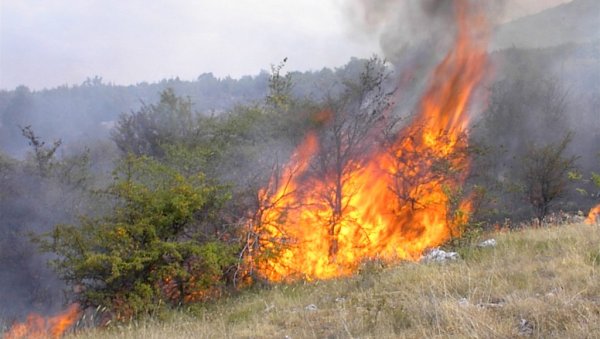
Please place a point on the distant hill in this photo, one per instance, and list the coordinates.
(574, 22)
(89, 110)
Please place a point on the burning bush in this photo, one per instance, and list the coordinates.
(343, 199)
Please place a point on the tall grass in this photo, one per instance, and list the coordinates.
(541, 282)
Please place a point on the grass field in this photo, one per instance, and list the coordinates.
(541, 282)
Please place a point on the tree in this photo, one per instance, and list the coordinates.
(36, 193)
(347, 124)
(419, 170)
(524, 109)
(145, 132)
(147, 251)
(43, 155)
(545, 175)
(280, 87)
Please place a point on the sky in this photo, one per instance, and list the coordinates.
(48, 43)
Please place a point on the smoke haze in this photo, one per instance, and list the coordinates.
(532, 66)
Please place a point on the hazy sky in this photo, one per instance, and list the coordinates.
(46, 43)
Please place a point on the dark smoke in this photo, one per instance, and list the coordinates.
(32, 202)
(26, 282)
(402, 26)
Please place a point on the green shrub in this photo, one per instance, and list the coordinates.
(146, 252)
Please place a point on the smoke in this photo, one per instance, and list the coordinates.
(29, 204)
(32, 201)
(543, 52)
(411, 24)
(402, 25)
(414, 36)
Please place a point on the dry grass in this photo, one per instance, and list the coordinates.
(549, 277)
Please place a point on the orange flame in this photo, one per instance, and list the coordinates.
(593, 215)
(395, 205)
(38, 327)
(189, 291)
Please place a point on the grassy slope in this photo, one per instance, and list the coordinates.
(550, 277)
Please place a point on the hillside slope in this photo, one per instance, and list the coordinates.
(574, 22)
(539, 282)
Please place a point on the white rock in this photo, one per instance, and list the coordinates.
(311, 307)
(488, 243)
(437, 255)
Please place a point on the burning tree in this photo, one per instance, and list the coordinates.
(343, 198)
(350, 123)
(419, 171)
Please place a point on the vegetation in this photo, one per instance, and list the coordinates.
(346, 122)
(151, 248)
(43, 155)
(145, 131)
(35, 194)
(540, 282)
(524, 150)
(168, 227)
(545, 175)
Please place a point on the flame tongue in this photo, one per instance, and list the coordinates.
(38, 327)
(395, 204)
(593, 215)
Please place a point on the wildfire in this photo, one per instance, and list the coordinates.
(593, 215)
(39, 327)
(394, 204)
(189, 291)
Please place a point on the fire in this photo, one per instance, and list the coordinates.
(395, 203)
(593, 215)
(189, 291)
(39, 327)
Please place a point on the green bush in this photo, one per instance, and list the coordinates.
(149, 250)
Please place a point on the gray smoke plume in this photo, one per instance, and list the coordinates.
(412, 24)
(414, 36)
(26, 282)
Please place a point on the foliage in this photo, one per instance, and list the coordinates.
(145, 131)
(280, 87)
(43, 154)
(526, 108)
(145, 252)
(170, 233)
(485, 294)
(35, 193)
(596, 179)
(6, 167)
(345, 126)
(545, 175)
